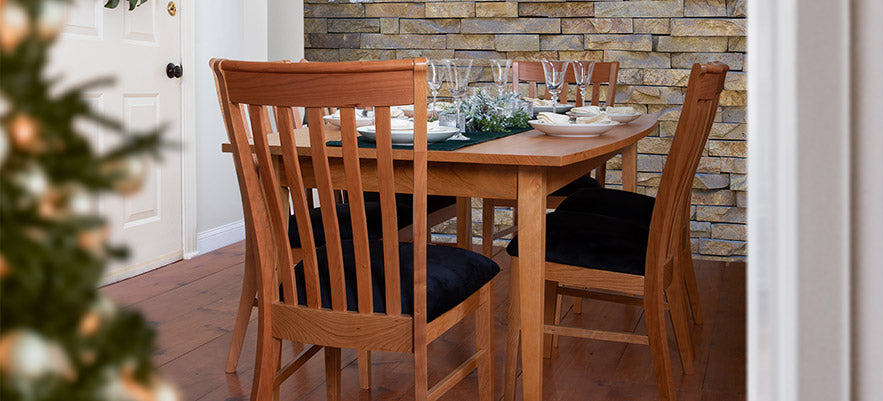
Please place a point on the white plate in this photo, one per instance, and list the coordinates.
(573, 130)
(561, 108)
(624, 118)
(406, 137)
(360, 121)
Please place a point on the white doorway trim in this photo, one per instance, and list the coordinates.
(188, 127)
(799, 141)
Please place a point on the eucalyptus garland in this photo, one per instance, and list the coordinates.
(132, 3)
(488, 113)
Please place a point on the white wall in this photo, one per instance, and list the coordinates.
(227, 29)
(285, 30)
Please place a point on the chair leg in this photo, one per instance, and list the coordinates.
(601, 174)
(513, 335)
(549, 304)
(654, 315)
(265, 363)
(278, 348)
(684, 262)
(484, 330)
(364, 365)
(680, 320)
(243, 314)
(577, 305)
(487, 227)
(421, 372)
(558, 304)
(332, 373)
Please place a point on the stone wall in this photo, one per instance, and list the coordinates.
(656, 42)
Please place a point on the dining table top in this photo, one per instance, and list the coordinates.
(529, 148)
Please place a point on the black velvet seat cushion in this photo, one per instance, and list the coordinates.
(404, 215)
(593, 241)
(577, 184)
(624, 205)
(452, 275)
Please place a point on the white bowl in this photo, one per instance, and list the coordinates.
(406, 137)
(573, 130)
(360, 121)
(624, 118)
(561, 108)
(409, 109)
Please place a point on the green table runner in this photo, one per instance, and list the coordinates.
(474, 138)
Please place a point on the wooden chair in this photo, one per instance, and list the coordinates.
(618, 258)
(441, 209)
(364, 293)
(531, 72)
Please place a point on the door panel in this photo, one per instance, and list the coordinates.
(134, 48)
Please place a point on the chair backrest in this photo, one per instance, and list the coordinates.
(315, 86)
(532, 73)
(670, 212)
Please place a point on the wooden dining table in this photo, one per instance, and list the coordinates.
(525, 167)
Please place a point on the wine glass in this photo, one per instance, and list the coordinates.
(501, 73)
(582, 71)
(458, 71)
(555, 72)
(435, 77)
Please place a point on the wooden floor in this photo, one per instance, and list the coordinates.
(192, 305)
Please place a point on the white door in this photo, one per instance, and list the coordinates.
(134, 47)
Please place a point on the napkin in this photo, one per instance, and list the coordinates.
(400, 124)
(601, 118)
(538, 102)
(586, 110)
(396, 112)
(553, 118)
(621, 110)
(359, 115)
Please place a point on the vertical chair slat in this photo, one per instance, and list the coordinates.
(358, 216)
(278, 214)
(301, 208)
(388, 211)
(420, 206)
(324, 186)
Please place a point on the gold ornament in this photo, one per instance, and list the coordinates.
(132, 170)
(23, 130)
(4, 267)
(90, 323)
(93, 240)
(15, 25)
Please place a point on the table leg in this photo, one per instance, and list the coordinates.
(531, 261)
(464, 222)
(630, 168)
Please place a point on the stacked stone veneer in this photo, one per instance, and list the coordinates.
(655, 41)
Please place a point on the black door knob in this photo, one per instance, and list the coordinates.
(174, 71)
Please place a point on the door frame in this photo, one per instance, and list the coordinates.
(188, 127)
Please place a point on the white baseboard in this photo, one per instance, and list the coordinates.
(218, 237)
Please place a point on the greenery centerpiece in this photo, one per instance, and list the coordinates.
(486, 113)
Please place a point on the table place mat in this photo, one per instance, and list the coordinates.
(474, 138)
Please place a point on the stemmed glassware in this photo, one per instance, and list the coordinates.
(501, 73)
(582, 72)
(458, 72)
(435, 77)
(555, 72)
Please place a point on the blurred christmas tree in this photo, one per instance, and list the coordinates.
(59, 338)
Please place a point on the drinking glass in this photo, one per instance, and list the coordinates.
(458, 71)
(582, 71)
(501, 73)
(555, 72)
(435, 72)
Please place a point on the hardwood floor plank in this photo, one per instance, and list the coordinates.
(192, 305)
(159, 281)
